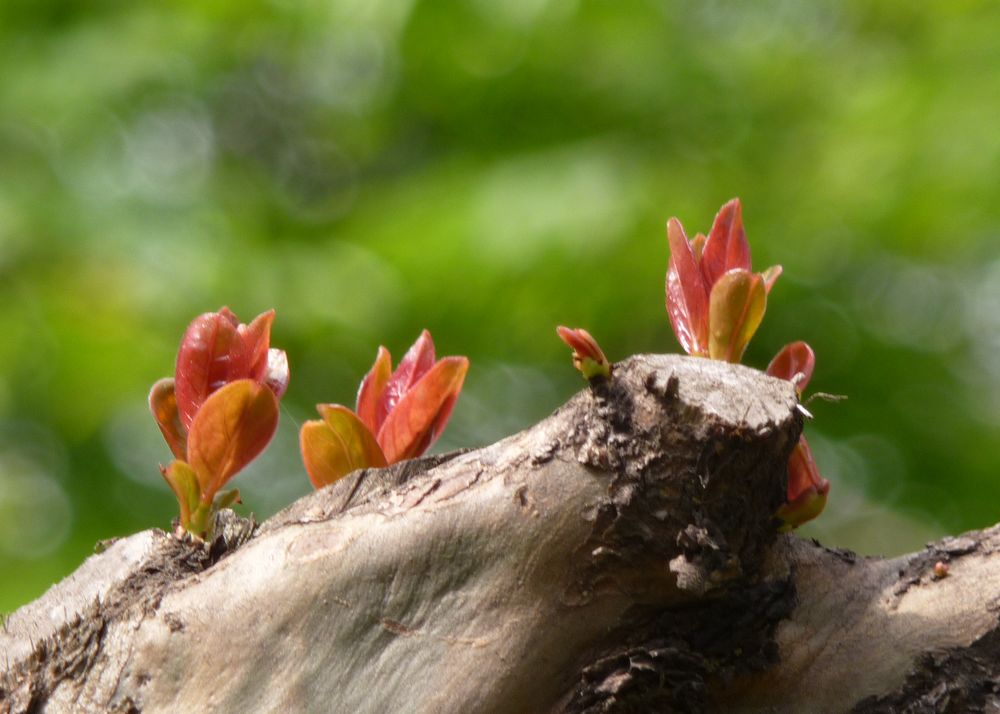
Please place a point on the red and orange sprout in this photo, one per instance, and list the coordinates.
(807, 490)
(715, 304)
(588, 357)
(219, 411)
(398, 415)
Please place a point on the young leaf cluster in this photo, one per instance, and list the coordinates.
(219, 411)
(398, 415)
(715, 303)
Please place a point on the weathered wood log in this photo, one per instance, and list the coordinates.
(621, 555)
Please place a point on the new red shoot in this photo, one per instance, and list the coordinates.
(219, 411)
(588, 357)
(399, 414)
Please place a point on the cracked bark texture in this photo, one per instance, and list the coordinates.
(618, 556)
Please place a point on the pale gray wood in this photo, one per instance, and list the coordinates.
(619, 555)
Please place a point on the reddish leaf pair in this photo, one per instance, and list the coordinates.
(807, 490)
(398, 414)
(715, 304)
(219, 411)
(714, 301)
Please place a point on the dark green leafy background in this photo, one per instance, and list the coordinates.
(489, 170)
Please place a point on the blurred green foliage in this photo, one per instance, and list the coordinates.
(489, 170)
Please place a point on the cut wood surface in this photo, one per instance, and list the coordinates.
(620, 555)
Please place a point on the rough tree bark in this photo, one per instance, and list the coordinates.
(618, 556)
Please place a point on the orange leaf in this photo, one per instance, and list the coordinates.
(736, 309)
(336, 446)
(232, 427)
(371, 389)
(421, 415)
(417, 361)
(163, 404)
